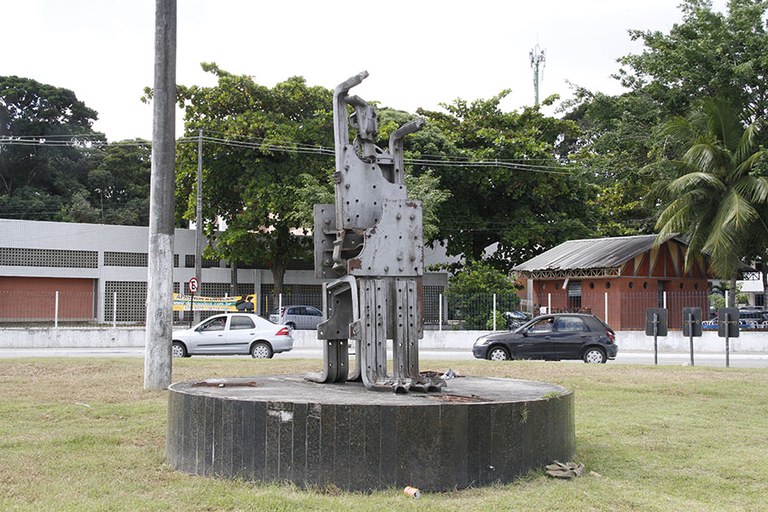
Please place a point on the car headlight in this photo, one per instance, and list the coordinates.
(482, 340)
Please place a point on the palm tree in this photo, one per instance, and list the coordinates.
(719, 200)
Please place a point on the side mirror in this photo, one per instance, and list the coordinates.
(524, 332)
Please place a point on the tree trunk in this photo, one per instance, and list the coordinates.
(233, 279)
(731, 298)
(764, 279)
(278, 276)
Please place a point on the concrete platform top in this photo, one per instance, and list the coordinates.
(295, 388)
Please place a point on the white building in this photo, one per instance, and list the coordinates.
(100, 272)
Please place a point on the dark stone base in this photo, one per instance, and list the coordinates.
(477, 431)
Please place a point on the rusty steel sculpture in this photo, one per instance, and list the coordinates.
(370, 246)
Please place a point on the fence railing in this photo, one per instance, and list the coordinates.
(443, 311)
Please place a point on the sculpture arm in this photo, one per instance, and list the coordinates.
(404, 130)
(341, 129)
(343, 88)
(396, 146)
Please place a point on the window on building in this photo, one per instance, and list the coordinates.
(574, 295)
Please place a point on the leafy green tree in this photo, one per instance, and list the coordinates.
(119, 184)
(719, 199)
(470, 294)
(261, 150)
(523, 207)
(613, 148)
(709, 54)
(46, 151)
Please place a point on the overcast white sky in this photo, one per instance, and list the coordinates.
(419, 53)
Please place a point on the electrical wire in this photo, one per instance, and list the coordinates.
(304, 149)
(95, 141)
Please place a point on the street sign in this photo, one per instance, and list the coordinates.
(193, 285)
(728, 322)
(656, 321)
(692, 322)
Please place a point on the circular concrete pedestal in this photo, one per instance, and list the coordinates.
(283, 428)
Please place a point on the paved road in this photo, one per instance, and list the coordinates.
(738, 360)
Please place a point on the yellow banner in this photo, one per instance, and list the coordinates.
(244, 303)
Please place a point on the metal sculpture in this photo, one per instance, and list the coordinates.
(370, 244)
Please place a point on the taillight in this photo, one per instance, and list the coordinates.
(611, 336)
(283, 332)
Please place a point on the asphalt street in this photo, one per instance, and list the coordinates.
(737, 360)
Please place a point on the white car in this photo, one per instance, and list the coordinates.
(233, 333)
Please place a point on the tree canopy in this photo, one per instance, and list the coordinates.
(510, 189)
(708, 54)
(45, 157)
(54, 166)
(261, 147)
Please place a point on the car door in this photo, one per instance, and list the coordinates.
(209, 337)
(537, 342)
(314, 317)
(570, 334)
(298, 315)
(240, 333)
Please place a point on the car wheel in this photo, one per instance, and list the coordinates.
(498, 354)
(291, 325)
(179, 350)
(595, 356)
(261, 350)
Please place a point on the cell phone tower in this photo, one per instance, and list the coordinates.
(538, 56)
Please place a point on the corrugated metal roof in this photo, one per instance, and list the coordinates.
(594, 253)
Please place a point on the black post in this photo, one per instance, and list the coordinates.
(691, 321)
(191, 308)
(655, 338)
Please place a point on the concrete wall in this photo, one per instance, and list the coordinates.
(23, 237)
(448, 340)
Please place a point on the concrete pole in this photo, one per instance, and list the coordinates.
(199, 217)
(157, 356)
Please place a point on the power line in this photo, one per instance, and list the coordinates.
(292, 148)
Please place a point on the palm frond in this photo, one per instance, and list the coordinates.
(679, 130)
(747, 144)
(753, 188)
(708, 156)
(735, 212)
(694, 180)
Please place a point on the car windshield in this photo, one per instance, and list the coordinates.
(214, 324)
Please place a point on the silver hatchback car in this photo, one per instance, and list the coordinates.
(233, 333)
(297, 317)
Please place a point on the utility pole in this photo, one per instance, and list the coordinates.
(538, 56)
(199, 217)
(157, 352)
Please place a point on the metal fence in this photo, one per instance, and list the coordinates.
(441, 311)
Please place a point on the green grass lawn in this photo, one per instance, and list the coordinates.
(83, 434)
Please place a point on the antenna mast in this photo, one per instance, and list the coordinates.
(538, 56)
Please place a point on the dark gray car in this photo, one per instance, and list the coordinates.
(551, 337)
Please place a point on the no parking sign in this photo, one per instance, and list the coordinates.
(193, 285)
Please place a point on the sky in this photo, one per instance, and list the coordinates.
(418, 53)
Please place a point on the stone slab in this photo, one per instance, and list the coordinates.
(283, 428)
